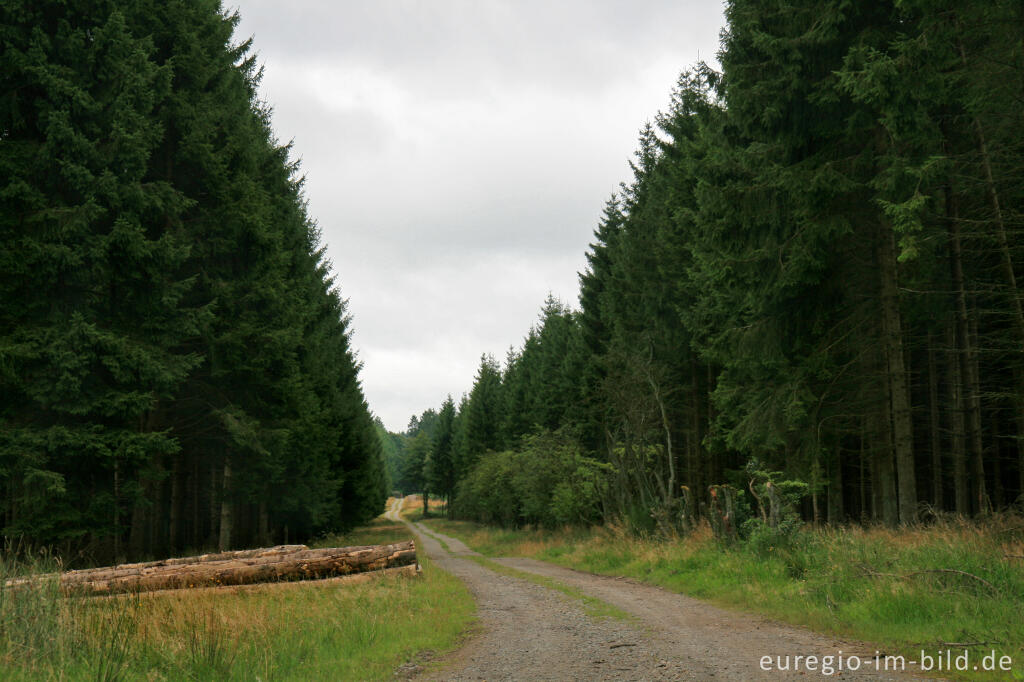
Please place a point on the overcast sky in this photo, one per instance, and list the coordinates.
(458, 155)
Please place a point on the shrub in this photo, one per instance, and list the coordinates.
(546, 482)
(777, 527)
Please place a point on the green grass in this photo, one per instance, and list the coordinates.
(380, 531)
(592, 606)
(291, 631)
(885, 586)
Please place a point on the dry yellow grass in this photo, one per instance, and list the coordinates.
(354, 628)
(413, 507)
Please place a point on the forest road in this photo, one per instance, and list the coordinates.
(530, 632)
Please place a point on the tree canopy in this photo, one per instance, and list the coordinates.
(175, 366)
(812, 272)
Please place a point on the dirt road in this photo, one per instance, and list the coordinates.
(531, 632)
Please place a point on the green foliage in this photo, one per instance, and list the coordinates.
(547, 482)
(481, 416)
(815, 264)
(173, 351)
(441, 474)
(777, 526)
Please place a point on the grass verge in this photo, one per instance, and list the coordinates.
(939, 587)
(380, 531)
(592, 606)
(290, 631)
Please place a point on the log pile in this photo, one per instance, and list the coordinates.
(272, 564)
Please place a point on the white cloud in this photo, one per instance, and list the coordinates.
(458, 155)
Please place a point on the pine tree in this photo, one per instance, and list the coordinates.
(482, 415)
(175, 359)
(93, 310)
(442, 477)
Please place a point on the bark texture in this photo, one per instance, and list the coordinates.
(281, 563)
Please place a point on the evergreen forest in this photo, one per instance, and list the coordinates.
(810, 285)
(175, 365)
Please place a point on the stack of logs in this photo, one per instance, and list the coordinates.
(271, 564)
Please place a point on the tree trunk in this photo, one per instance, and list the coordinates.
(997, 466)
(715, 464)
(157, 513)
(669, 491)
(884, 473)
(957, 406)
(175, 506)
(137, 532)
(196, 533)
(896, 376)
(264, 524)
(12, 502)
(978, 488)
(117, 509)
(816, 483)
(1013, 292)
(835, 485)
(966, 358)
(698, 482)
(934, 412)
(862, 483)
(1020, 459)
(225, 509)
(212, 509)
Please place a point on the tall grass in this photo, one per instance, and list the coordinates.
(290, 631)
(954, 582)
(380, 531)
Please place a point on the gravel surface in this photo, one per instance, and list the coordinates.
(530, 632)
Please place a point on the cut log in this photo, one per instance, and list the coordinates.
(410, 571)
(129, 569)
(288, 562)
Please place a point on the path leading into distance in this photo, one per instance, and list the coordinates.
(530, 632)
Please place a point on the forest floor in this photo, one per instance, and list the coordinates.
(539, 621)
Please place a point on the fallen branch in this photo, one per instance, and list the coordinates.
(905, 576)
(955, 571)
(966, 645)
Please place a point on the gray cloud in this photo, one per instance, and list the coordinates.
(458, 155)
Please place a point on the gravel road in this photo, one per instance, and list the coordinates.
(530, 632)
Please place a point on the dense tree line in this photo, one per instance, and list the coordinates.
(175, 368)
(813, 269)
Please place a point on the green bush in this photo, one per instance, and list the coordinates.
(547, 482)
(776, 529)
